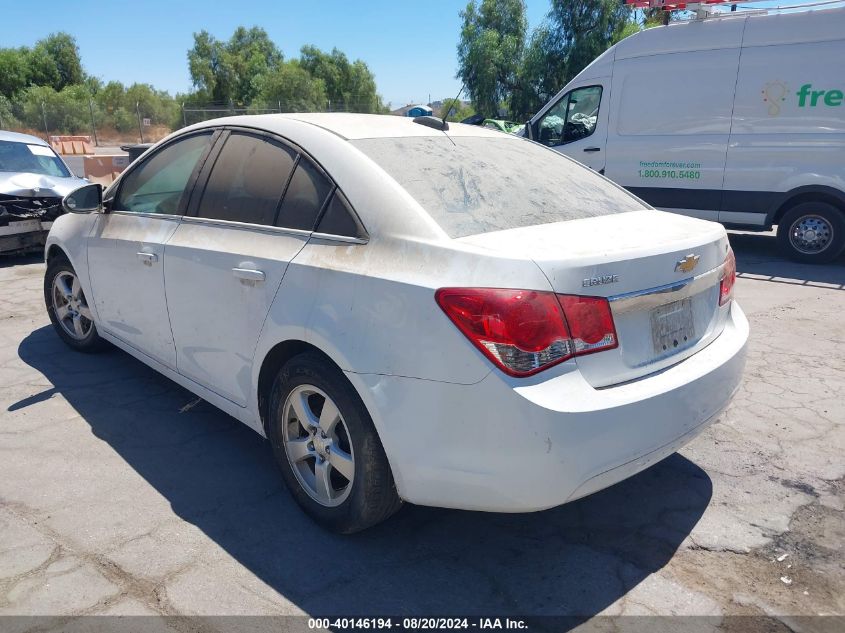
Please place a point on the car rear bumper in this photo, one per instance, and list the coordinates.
(518, 445)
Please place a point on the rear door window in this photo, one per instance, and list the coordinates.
(340, 219)
(248, 180)
(304, 197)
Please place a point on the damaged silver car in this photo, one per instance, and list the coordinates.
(33, 180)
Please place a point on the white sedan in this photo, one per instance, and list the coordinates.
(450, 317)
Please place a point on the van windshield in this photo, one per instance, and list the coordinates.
(473, 184)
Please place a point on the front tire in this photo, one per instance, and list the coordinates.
(327, 448)
(68, 307)
(812, 232)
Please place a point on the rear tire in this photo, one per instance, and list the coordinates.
(812, 232)
(332, 461)
(68, 308)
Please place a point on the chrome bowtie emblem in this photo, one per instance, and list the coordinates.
(686, 264)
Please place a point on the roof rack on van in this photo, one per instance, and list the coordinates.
(700, 7)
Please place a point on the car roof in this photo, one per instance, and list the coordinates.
(352, 126)
(17, 137)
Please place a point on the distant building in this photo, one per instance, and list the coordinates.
(414, 110)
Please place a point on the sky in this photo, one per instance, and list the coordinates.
(410, 47)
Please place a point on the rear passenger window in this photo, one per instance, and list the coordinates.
(339, 219)
(304, 197)
(247, 181)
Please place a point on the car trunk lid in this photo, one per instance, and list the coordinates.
(660, 272)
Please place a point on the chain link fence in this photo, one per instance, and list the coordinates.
(135, 122)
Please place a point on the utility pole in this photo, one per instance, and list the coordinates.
(44, 115)
(140, 127)
(93, 126)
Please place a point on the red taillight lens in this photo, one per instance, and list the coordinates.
(590, 323)
(726, 285)
(525, 331)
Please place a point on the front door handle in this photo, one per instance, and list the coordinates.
(248, 274)
(592, 149)
(147, 258)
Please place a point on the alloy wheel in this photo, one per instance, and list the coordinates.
(70, 306)
(318, 445)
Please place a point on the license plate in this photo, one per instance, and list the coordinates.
(672, 327)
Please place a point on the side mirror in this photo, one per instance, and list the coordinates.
(85, 199)
(529, 132)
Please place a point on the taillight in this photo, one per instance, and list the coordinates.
(726, 284)
(526, 331)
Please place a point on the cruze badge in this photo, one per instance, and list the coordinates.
(600, 280)
(686, 264)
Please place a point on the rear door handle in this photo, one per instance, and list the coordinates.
(147, 258)
(592, 149)
(248, 274)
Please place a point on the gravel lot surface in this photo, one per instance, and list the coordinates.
(120, 494)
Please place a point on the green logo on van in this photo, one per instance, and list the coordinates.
(776, 92)
(773, 93)
(809, 97)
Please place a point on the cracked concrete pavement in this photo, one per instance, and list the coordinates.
(116, 498)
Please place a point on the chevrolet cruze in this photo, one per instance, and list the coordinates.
(448, 316)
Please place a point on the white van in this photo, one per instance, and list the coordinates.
(738, 118)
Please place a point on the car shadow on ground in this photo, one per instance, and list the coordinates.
(7, 261)
(757, 254)
(219, 475)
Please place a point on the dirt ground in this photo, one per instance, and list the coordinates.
(118, 498)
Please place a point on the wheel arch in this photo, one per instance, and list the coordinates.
(810, 193)
(53, 251)
(273, 361)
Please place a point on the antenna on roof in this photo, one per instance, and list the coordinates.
(446, 112)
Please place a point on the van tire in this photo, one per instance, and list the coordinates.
(372, 497)
(813, 218)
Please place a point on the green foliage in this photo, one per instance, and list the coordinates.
(457, 110)
(53, 61)
(498, 66)
(491, 46)
(349, 86)
(232, 71)
(293, 88)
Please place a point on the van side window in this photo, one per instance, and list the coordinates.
(572, 118)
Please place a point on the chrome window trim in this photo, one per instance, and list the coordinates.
(667, 293)
(339, 238)
(231, 224)
(139, 214)
(246, 226)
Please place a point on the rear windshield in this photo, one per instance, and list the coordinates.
(472, 185)
(33, 159)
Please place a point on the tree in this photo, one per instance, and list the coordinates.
(292, 87)
(233, 70)
(349, 86)
(574, 33)
(14, 70)
(491, 45)
(455, 110)
(63, 52)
